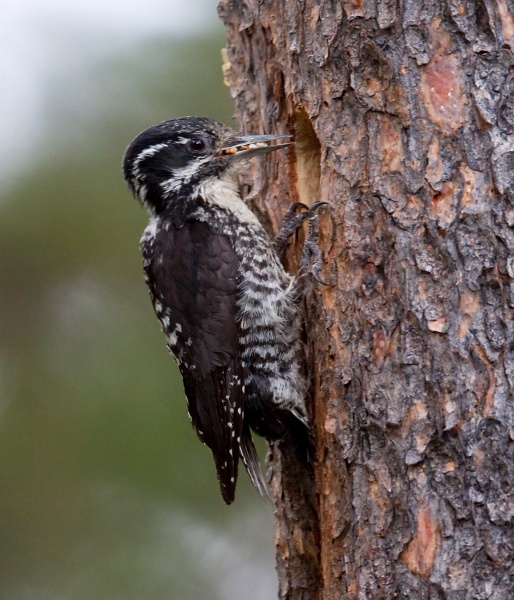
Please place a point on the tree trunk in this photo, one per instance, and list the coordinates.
(404, 123)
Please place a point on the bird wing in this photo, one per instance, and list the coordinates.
(193, 274)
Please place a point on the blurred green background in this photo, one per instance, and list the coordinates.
(105, 491)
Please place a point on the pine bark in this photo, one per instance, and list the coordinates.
(403, 115)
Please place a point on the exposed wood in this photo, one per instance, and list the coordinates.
(404, 117)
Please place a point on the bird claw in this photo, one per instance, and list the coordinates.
(292, 221)
(310, 248)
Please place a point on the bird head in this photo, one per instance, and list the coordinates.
(168, 162)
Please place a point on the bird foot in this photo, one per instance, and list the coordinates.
(292, 222)
(311, 251)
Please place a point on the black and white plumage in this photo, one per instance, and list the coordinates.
(227, 307)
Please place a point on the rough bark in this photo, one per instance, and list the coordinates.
(404, 122)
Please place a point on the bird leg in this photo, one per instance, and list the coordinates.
(311, 249)
(292, 222)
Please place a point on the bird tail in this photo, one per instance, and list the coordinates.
(252, 463)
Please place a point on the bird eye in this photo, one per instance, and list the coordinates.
(197, 145)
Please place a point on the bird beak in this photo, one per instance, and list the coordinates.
(252, 145)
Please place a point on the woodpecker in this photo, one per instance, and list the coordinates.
(228, 309)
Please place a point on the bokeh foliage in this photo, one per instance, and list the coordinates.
(105, 490)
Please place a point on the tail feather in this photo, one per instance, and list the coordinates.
(252, 464)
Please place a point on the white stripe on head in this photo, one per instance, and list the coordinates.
(146, 153)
